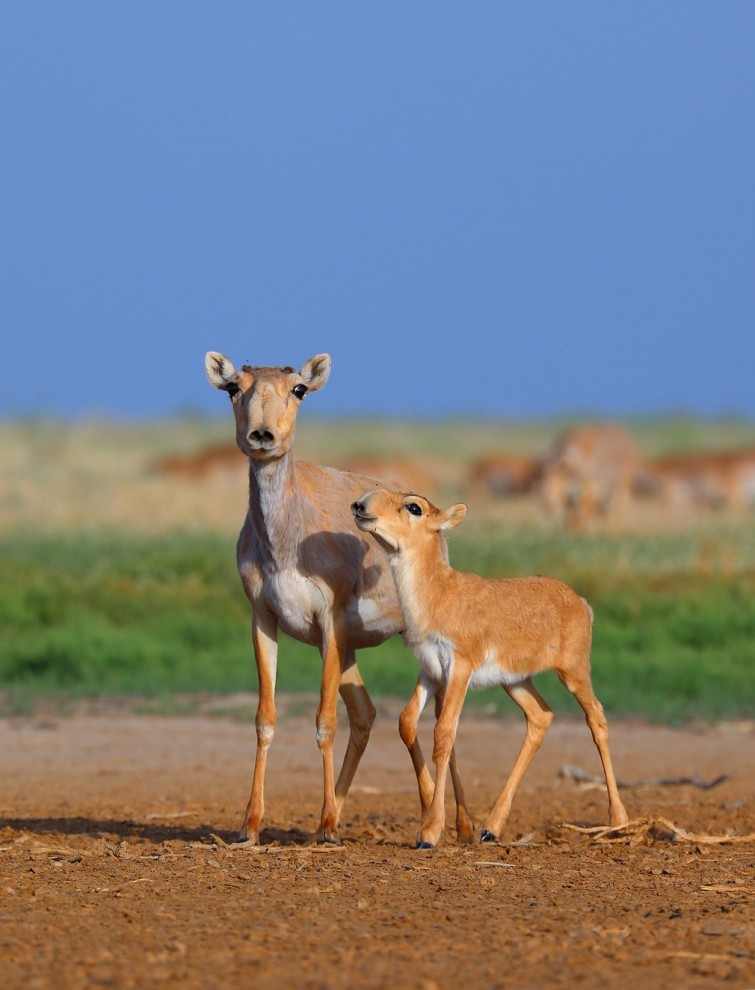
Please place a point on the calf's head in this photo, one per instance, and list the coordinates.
(400, 521)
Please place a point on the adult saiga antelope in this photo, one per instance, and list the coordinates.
(468, 631)
(589, 474)
(308, 573)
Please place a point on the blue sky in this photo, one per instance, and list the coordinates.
(479, 208)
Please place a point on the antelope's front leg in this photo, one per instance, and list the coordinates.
(445, 735)
(407, 727)
(464, 826)
(265, 639)
(408, 720)
(333, 656)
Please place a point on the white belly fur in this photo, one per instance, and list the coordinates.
(436, 656)
(491, 674)
(296, 601)
(301, 607)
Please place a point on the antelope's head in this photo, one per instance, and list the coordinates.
(399, 521)
(266, 400)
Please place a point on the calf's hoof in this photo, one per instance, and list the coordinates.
(327, 839)
(487, 836)
(247, 837)
(422, 844)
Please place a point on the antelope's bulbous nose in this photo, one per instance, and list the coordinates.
(260, 436)
(357, 508)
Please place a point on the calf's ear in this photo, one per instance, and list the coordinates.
(452, 516)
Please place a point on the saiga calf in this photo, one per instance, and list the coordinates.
(468, 631)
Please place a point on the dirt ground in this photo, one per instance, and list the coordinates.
(115, 868)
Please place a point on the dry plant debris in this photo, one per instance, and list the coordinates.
(571, 772)
(647, 830)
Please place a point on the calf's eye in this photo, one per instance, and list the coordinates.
(232, 389)
(414, 508)
(299, 391)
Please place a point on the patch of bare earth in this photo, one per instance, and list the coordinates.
(117, 869)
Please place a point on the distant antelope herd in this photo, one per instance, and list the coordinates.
(585, 481)
(339, 560)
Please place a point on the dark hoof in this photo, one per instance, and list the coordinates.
(421, 844)
(488, 836)
(328, 839)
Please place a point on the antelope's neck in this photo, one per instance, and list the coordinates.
(275, 511)
(421, 575)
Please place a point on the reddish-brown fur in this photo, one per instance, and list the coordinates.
(589, 473)
(218, 459)
(719, 479)
(468, 630)
(499, 475)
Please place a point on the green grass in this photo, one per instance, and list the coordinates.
(86, 614)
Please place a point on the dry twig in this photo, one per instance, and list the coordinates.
(728, 888)
(652, 829)
(250, 847)
(569, 771)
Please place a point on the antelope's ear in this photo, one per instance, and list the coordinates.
(315, 372)
(451, 516)
(219, 370)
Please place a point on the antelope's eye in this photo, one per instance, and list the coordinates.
(232, 389)
(299, 391)
(413, 508)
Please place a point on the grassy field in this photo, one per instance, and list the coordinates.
(116, 581)
(86, 614)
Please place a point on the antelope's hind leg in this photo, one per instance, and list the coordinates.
(539, 717)
(361, 713)
(578, 682)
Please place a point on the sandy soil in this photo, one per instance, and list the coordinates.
(115, 869)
